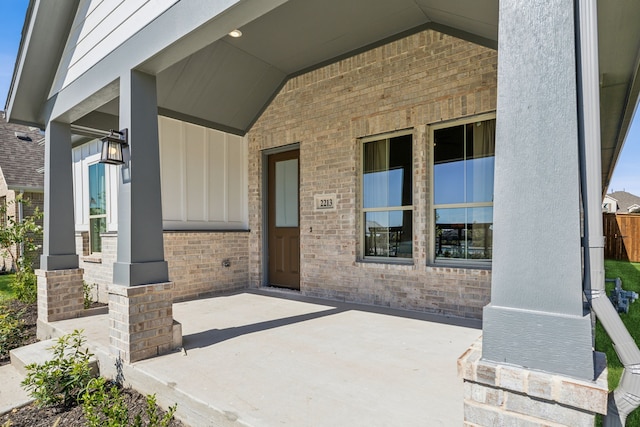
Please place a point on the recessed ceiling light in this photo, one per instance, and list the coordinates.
(235, 33)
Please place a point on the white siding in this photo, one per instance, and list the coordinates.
(99, 27)
(83, 156)
(204, 177)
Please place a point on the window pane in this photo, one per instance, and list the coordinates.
(387, 167)
(464, 233)
(448, 169)
(479, 161)
(96, 226)
(287, 193)
(389, 234)
(97, 190)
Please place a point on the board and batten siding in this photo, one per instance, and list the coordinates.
(100, 26)
(204, 177)
(84, 156)
(203, 174)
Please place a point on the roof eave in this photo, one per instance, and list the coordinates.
(44, 35)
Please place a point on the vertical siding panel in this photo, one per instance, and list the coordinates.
(194, 144)
(235, 178)
(217, 202)
(171, 145)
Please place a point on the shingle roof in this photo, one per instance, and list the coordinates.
(21, 159)
(625, 200)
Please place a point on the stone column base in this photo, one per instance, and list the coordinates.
(496, 395)
(141, 321)
(59, 294)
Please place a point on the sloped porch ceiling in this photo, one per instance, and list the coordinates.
(228, 83)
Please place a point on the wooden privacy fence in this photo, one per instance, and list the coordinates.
(622, 237)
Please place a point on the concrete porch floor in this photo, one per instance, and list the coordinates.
(269, 358)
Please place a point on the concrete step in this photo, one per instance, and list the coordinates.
(38, 352)
(12, 395)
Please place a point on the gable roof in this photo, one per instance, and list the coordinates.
(20, 159)
(625, 200)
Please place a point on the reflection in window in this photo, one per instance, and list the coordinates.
(463, 190)
(97, 206)
(387, 197)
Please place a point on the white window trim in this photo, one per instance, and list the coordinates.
(88, 207)
(431, 258)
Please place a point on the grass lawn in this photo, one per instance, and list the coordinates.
(630, 275)
(5, 289)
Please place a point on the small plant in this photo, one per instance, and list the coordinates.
(11, 329)
(104, 406)
(154, 417)
(25, 283)
(62, 380)
(21, 233)
(87, 294)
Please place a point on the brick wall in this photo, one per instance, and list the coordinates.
(36, 200)
(411, 83)
(195, 262)
(194, 258)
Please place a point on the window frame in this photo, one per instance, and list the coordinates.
(106, 207)
(432, 259)
(362, 210)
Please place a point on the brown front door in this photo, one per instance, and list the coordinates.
(283, 214)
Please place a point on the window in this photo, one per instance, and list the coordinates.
(387, 197)
(97, 206)
(463, 190)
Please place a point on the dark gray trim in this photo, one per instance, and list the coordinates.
(538, 340)
(198, 121)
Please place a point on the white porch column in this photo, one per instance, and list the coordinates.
(536, 318)
(59, 278)
(140, 300)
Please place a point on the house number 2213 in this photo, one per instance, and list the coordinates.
(325, 201)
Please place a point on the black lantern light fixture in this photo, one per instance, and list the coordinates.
(112, 146)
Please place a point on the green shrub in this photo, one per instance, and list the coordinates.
(62, 380)
(104, 406)
(11, 329)
(87, 294)
(25, 284)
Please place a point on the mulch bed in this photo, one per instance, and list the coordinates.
(29, 316)
(32, 416)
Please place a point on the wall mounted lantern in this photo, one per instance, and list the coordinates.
(112, 146)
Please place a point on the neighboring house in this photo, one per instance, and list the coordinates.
(398, 154)
(21, 173)
(621, 202)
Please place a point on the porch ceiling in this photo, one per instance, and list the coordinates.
(226, 83)
(229, 82)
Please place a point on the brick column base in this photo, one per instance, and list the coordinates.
(496, 395)
(59, 294)
(141, 321)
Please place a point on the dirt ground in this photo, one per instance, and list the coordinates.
(32, 416)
